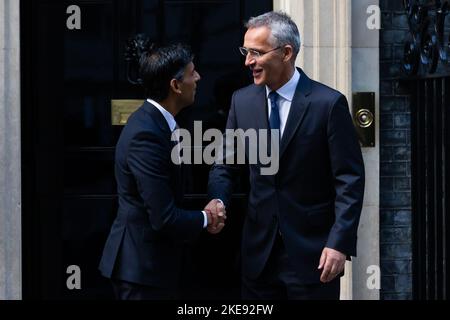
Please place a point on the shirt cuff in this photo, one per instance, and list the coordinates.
(205, 221)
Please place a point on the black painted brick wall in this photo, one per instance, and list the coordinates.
(395, 158)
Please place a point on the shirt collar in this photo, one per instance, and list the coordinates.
(287, 91)
(167, 115)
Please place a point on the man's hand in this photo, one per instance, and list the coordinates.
(216, 213)
(332, 262)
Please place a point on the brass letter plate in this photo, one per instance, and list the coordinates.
(122, 109)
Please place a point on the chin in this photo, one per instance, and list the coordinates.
(258, 82)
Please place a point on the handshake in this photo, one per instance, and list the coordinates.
(216, 214)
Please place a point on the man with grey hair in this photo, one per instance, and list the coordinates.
(302, 222)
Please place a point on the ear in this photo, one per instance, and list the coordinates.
(174, 86)
(288, 53)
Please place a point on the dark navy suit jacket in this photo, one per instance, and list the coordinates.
(146, 242)
(315, 199)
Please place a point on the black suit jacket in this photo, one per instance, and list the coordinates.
(315, 199)
(147, 238)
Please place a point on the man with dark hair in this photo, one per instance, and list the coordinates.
(144, 250)
(302, 222)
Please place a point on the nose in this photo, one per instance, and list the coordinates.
(249, 60)
(197, 76)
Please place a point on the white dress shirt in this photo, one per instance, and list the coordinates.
(172, 125)
(286, 94)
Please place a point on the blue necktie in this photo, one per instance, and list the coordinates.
(274, 119)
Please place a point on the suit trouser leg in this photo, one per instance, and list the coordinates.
(279, 281)
(124, 290)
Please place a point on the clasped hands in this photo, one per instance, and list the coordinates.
(216, 214)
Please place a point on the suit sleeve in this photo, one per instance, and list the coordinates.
(149, 161)
(348, 171)
(222, 177)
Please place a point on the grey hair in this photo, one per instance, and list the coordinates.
(283, 30)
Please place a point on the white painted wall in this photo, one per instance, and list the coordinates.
(10, 175)
(366, 77)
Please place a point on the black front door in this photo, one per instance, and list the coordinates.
(70, 74)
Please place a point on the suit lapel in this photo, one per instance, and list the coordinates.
(299, 107)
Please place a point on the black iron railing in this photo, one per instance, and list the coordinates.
(430, 171)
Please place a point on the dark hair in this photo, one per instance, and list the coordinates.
(160, 65)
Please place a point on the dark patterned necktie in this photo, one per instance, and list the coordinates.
(274, 119)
